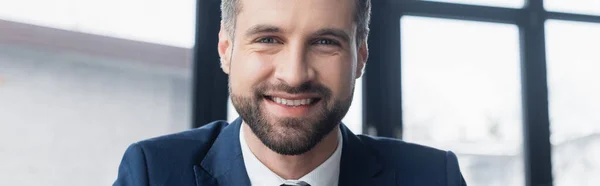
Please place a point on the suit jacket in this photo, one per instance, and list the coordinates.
(211, 156)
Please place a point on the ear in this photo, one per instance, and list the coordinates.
(224, 48)
(363, 55)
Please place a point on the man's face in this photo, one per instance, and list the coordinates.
(292, 67)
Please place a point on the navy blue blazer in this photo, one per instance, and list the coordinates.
(211, 156)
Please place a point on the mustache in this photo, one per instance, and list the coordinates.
(308, 88)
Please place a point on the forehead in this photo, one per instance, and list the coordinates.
(297, 15)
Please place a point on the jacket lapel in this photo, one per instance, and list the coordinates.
(223, 164)
(359, 165)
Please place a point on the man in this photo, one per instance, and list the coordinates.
(292, 66)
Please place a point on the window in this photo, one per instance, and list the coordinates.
(574, 101)
(573, 6)
(500, 3)
(461, 92)
(353, 119)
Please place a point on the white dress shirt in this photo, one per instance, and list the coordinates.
(326, 174)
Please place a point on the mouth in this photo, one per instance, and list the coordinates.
(293, 102)
(291, 106)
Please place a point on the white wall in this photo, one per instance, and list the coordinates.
(66, 119)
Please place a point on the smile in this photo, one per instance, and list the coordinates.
(293, 102)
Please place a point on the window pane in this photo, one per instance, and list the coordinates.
(353, 119)
(461, 92)
(499, 3)
(573, 66)
(573, 6)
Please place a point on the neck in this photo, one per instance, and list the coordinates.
(291, 167)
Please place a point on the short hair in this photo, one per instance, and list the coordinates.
(362, 15)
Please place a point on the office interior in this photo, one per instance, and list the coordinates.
(510, 86)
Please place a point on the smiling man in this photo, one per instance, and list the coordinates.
(292, 66)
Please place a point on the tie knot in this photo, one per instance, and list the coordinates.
(294, 183)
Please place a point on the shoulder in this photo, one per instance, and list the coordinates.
(409, 159)
(187, 145)
(204, 134)
(145, 161)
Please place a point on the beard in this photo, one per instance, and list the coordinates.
(291, 135)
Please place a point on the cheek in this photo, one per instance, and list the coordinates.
(248, 70)
(336, 73)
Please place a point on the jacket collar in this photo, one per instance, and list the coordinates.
(224, 164)
(359, 164)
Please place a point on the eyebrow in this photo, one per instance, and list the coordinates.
(258, 29)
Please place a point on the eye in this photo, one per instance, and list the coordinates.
(326, 42)
(267, 40)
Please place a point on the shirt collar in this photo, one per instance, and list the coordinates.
(326, 174)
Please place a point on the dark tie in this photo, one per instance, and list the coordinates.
(296, 183)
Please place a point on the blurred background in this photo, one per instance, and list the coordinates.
(510, 86)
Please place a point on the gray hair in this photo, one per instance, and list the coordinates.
(362, 15)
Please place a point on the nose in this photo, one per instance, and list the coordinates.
(294, 69)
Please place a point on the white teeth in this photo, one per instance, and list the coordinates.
(288, 102)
